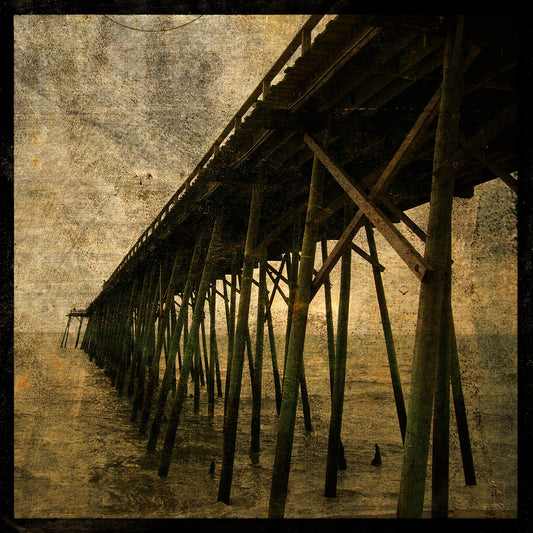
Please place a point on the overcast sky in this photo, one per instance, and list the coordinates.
(99, 106)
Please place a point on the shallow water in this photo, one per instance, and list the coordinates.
(78, 455)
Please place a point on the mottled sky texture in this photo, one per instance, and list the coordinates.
(99, 106)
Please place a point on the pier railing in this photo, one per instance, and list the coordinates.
(302, 40)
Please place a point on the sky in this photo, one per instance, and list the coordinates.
(99, 106)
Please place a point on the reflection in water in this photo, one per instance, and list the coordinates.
(78, 455)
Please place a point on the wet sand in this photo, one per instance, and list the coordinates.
(77, 455)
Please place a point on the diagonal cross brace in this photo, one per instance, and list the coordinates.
(424, 120)
(369, 209)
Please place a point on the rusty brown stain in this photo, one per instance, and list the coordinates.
(58, 362)
(35, 161)
(22, 383)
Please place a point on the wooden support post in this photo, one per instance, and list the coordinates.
(441, 404)
(415, 451)
(181, 392)
(144, 304)
(291, 379)
(258, 370)
(170, 370)
(153, 377)
(196, 374)
(250, 355)
(335, 424)
(79, 331)
(389, 339)
(460, 411)
(329, 320)
(148, 349)
(204, 353)
(65, 335)
(126, 340)
(230, 422)
(293, 284)
(212, 349)
(275, 370)
(231, 330)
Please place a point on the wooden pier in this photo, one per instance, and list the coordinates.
(377, 114)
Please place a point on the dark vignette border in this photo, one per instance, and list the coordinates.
(525, 266)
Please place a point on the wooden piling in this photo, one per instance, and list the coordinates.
(153, 376)
(148, 339)
(413, 479)
(275, 370)
(258, 369)
(241, 330)
(335, 425)
(329, 319)
(181, 391)
(79, 331)
(212, 349)
(387, 331)
(170, 370)
(460, 411)
(231, 330)
(291, 378)
(441, 405)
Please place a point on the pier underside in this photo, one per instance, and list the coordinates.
(371, 117)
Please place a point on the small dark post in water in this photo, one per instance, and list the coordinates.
(335, 424)
(291, 379)
(258, 370)
(181, 392)
(241, 331)
(415, 450)
(387, 331)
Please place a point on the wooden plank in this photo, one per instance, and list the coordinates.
(501, 173)
(368, 258)
(368, 207)
(420, 126)
(415, 228)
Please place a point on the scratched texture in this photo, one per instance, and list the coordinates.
(99, 108)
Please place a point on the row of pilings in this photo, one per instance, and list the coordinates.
(134, 324)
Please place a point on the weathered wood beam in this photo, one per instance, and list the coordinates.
(386, 177)
(415, 228)
(241, 331)
(337, 402)
(487, 161)
(190, 349)
(419, 413)
(369, 208)
(292, 377)
(389, 339)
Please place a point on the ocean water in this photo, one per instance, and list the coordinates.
(78, 455)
